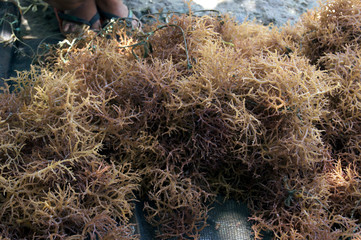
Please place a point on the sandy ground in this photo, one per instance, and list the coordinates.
(263, 11)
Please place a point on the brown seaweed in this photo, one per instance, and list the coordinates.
(267, 115)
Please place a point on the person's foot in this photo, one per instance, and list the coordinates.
(86, 11)
(117, 8)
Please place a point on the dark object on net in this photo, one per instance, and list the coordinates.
(10, 18)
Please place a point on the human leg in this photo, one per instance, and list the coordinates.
(74, 13)
(65, 4)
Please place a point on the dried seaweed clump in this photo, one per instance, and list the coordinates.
(54, 183)
(342, 124)
(180, 127)
(342, 131)
(183, 207)
(328, 29)
(252, 39)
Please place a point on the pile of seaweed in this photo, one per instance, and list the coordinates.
(270, 116)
